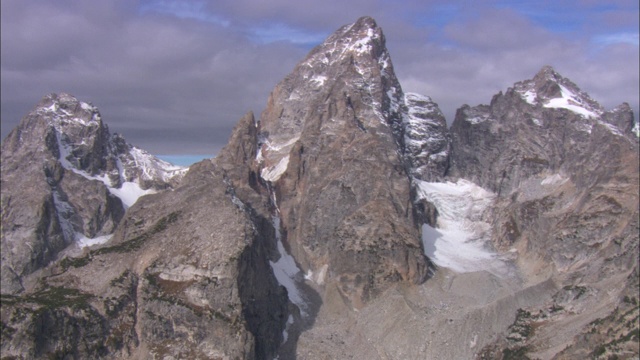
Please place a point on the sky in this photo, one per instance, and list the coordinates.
(175, 76)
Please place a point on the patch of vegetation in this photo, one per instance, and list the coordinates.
(124, 247)
(630, 300)
(58, 296)
(521, 328)
(600, 350)
(6, 330)
(120, 279)
(68, 262)
(519, 353)
(555, 308)
(631, 335)
(522, 314)
(580, 290)
(51, 298)
(7, 299)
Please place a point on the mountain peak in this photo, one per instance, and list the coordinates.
(552, 90)
(363, 23)
(354, 69)
(63, 110)
(547, 73)
(361, 38)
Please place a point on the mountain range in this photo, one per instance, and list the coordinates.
(348, 221)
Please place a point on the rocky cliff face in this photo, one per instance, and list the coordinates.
(67, 180)
(346, 222)
(427, 139)
(332, 151)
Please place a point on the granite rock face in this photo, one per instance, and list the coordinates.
(332, 141)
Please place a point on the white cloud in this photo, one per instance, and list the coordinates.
(620, 38)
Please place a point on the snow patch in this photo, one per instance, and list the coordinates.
(51, 108)
(154, 168)
(64, 212)
(287, 272)
(478, 119)
(572, 102)
(273, 173)
(363, 45)
(285, 332)
(319, 80)
(86, 106)
(529, 96)
(585, 127)
(319, 276)
(461, 238)
(64, 152)
(84, 241)
(555, 179)
(129, 192)
(273, 146)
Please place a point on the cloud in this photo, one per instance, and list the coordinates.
(183, 9)
(150, 72)
(175, 76)
(620, 38)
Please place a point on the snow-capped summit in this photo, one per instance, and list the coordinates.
(548, 89)
(531, 115)
(353, 59)
(69, 182)
(84, 145)
(551, 90)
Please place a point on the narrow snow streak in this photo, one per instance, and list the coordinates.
(287, 272)
(460, 241)
(64, 211)
(555, 179)
(84, 241)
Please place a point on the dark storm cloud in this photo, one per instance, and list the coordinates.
(150, 72)
(175, 76)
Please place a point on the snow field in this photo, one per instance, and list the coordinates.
(460, 240)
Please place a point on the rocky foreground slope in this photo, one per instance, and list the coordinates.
(346, 222)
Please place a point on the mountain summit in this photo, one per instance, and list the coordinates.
(80, 181)
(346, 221)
